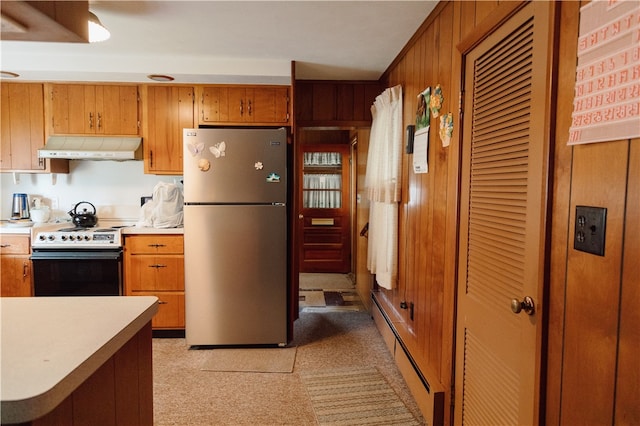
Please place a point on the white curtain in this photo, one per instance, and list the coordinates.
(382, 185)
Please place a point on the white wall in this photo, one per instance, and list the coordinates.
(113, 187)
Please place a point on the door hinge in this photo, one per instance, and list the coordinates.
(461, 102)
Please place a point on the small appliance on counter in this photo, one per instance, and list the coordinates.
(20, 207)
(39, 213)
(84, 218)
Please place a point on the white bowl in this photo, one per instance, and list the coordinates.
(39, 215)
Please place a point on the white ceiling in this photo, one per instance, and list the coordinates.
(228, 42)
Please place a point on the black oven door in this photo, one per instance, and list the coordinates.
(77, 273)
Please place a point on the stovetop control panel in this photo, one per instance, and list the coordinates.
(78, 238)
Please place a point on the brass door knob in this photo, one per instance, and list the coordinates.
(526, 305)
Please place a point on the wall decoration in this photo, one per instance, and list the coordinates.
(421, 151)
(606, 104)
(422, 111)
(446, 128)
(436, 101)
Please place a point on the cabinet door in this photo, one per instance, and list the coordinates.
(15, 275)
(117, 110)
(238, 106)
(214, 105)
(268, 105)
(78, 109)
(15, 266)
(169, 110)
(22, 126)
(245, 105)
(73, 109)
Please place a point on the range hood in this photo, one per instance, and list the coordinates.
(92, 148)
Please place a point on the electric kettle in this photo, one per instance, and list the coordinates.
(20, 207)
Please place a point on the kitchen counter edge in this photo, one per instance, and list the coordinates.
(18, 406)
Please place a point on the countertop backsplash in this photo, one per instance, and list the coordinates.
(113, 187)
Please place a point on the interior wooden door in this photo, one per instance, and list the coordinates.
(325, 219)
(502, 221)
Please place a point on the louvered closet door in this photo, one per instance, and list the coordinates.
(503, 200)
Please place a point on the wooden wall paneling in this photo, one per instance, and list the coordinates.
(411, 284)
(627, 403)
(145, 375)
(451, 222)
(345, 103)
(324, 102)
(559, 239)
(593, 287)
(304, 101)
(424, 181)
(95, 398)
(441, 172)
(484, 9)
(126, 382)
(467, 18)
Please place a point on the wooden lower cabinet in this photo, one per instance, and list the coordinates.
(154, 266)
(15, 266)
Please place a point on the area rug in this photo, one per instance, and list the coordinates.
(255, 360)
(312, 298)
(358, 396)
(316, 281)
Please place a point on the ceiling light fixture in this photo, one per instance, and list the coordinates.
(160, 77)
(8, 74)
(97, 31)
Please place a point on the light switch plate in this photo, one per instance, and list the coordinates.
(590, 227)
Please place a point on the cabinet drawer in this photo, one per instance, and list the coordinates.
(15, 244)
(170, 310)
(155, 244)
(155, 273)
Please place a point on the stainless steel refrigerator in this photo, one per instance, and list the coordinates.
(235, 236)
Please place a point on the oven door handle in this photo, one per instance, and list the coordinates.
(76, 255)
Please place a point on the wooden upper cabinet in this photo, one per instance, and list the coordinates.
(167, 110)
(256, 105)
(327, 103)
(22, 130)
(82, 109)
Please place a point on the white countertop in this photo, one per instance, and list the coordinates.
(6, 228)
(51, 345)
(133, 230)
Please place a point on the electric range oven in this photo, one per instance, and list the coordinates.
(77, 262)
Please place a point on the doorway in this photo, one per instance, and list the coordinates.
(324, 197)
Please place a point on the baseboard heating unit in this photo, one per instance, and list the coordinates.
(429, 395)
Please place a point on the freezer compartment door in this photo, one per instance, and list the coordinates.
(235, 165)
(235, 275)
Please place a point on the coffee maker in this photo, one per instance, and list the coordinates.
(20, 207)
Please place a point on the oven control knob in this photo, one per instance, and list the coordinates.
(63, 238)
(86, 238)
(51, 237)
(42, 237)
(72, 238)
